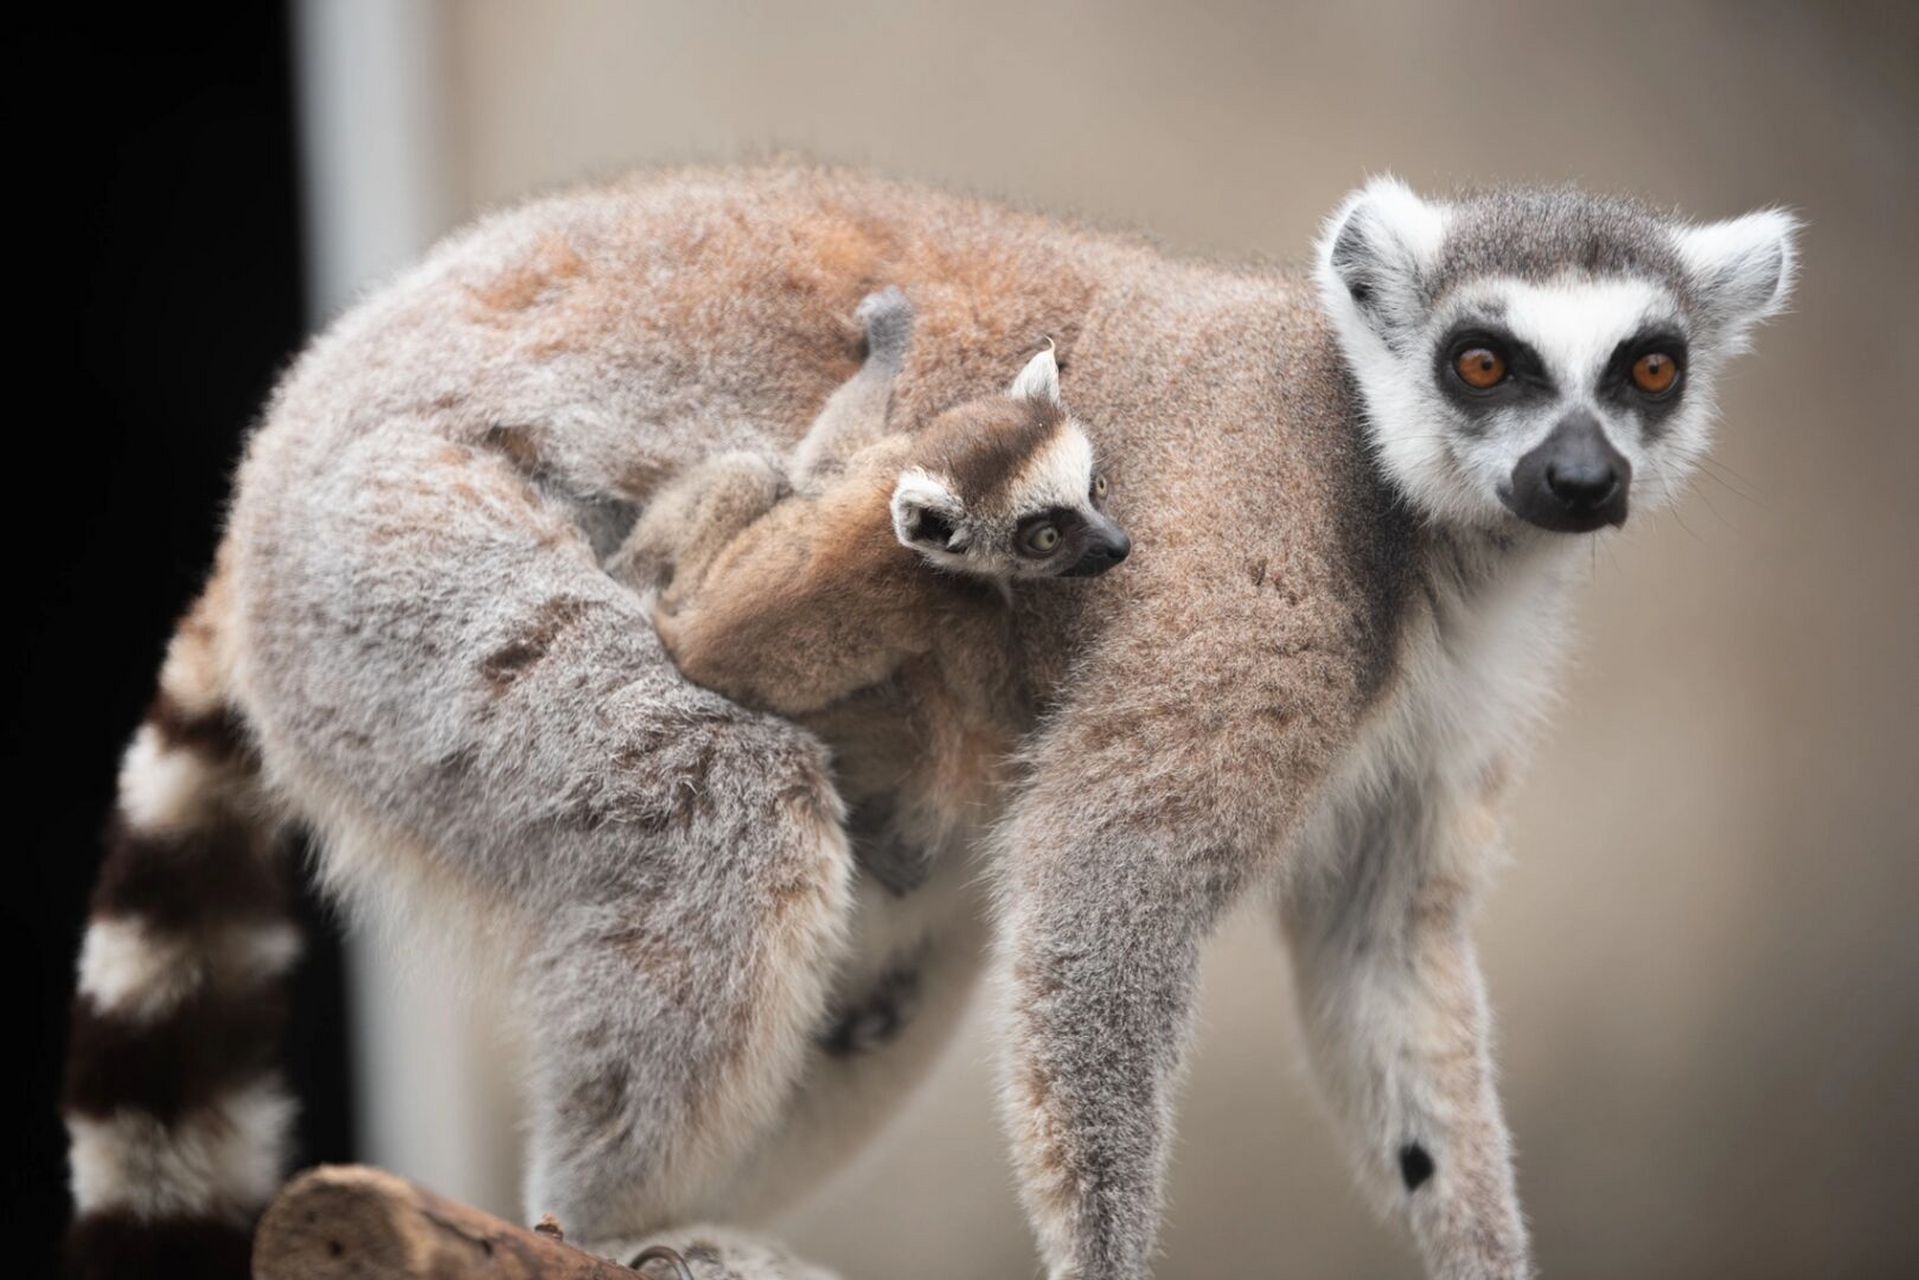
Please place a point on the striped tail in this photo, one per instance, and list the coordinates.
(178, 1121)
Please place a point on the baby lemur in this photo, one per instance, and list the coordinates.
(877, 567)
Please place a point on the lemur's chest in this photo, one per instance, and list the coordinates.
(1475, 671)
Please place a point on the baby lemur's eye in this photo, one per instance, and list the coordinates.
(1481, 368)
(1100, 486)
(1040, 540)
(1655, 372)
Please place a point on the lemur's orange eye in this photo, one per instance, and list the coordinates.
(1100, 486)
(1481, 368)
(1655, 372)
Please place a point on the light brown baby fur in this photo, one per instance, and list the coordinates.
(817, 598)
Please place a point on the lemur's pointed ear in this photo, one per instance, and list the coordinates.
(926, 512)
(1741, 269)
(1039, 380)
(1374, 251)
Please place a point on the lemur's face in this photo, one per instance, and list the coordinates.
(1007, 488)
(1544, 357)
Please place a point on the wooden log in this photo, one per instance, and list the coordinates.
(340, 1221)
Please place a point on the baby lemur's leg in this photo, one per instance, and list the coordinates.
(739, 598)
(692, 519)
(768, 624)
(855, 415)
(473, 713)
(1396, 1016)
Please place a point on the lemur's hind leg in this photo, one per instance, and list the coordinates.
(1395, 1011)
(474, 714)
(857, 413)
(692, 518)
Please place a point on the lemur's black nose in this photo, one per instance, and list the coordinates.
(1573, 481)
(1104, 550)
(1582, 481)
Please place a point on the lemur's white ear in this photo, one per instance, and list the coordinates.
(1742, 268)
(926, 512)
(1039, 380)
(1374, 250)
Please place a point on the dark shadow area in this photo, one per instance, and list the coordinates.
(155, 277)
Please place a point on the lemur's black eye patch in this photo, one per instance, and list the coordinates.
(1481, 366)
(1646, 374)
(1044, 533)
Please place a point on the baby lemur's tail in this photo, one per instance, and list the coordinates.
(177, 1118)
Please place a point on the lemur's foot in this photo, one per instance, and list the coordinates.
(888, 318)
(710, 1253)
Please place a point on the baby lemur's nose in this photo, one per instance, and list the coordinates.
(1103, 551)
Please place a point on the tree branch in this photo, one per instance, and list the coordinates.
(340, 1221)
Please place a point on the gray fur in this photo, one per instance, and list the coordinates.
(1538, 233)
(484, 732)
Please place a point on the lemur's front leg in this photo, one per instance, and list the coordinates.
(1109, 888)
(1395, 1010)
(1102, 935)
(1172, 779)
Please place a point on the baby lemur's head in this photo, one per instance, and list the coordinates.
(1006, 487)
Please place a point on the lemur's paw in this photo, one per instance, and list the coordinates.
(888, 318)
(710, 1253)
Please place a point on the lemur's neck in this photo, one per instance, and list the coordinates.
(1462, 566)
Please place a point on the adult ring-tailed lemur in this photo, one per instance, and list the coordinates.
(1356, 497)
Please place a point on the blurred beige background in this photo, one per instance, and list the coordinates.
(1704, 953)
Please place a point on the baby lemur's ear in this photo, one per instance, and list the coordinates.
(1039, 380)
(926, 512)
